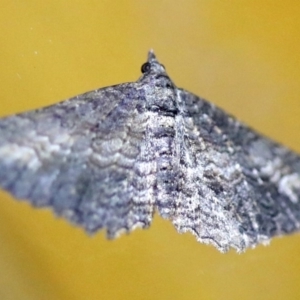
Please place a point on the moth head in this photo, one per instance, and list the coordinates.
(155, 72)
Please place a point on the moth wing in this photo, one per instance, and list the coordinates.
(78, 157)
(239, 188)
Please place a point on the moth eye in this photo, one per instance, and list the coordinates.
(146, 67)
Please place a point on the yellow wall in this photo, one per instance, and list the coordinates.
(242, 55)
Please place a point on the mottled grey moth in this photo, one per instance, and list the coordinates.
(110, 157)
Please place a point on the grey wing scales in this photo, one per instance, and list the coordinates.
(79, 157)
(240, 188)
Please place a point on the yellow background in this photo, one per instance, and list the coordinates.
(242, 55)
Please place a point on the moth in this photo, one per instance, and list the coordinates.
(108, 159)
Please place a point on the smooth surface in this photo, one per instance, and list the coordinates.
(242, 55)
